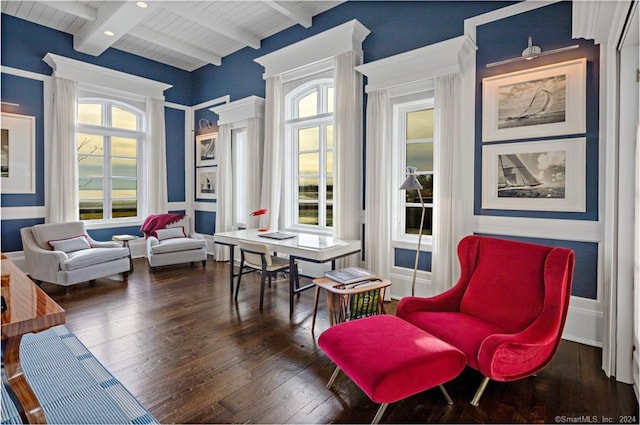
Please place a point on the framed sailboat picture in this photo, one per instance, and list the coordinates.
(206, 149)
(206, 182)
(539, 102)
(544, 175)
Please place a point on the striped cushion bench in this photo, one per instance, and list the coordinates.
(71, 384)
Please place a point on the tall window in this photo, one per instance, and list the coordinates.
(309, 126)
(108, 137)
(414, 124)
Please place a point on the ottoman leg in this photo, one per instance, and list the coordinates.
(476, 398)
(333, 377)
(379, 413)
(445, 394)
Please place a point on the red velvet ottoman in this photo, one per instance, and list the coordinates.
(390, 359)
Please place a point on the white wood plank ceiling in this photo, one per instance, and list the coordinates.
(184, 34)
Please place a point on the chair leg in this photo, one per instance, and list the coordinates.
(379, 413)
(263, 279)
(476, 398)
(445, 394)
(204, 264)
(333, 377)
(297, 277)
(239, 278)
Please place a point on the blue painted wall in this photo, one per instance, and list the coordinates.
(175, 154)
(10, 239)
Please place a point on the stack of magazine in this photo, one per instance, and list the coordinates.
(350, 275)
(360, 304)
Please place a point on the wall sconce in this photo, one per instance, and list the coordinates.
(206, 125)
(532, 52)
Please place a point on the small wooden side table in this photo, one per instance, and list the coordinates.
(125, 243)
(341, 298)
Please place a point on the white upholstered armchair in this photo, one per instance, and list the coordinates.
(175, 244)
(64, 254)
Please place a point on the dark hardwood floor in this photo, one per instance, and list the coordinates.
(177, 340)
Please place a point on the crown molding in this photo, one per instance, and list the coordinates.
(333, 42)
(86, 73)
(417, 65)
(602, 21)
(240, 110)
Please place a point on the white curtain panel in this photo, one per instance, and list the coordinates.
(156, 165)
(447, 215)
(348, 149)
(255, 152)
(62, 181)
(379, 192)
(224, 189)
(636, 285)
(273, 149)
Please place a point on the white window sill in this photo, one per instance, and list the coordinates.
(411, 244)
(109, 224)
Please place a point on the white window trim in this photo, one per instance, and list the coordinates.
(400, 106)
(140, 135)
(290, 200)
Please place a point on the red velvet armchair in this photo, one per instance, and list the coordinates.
(507, 311)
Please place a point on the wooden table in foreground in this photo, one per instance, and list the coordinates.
(29, 309)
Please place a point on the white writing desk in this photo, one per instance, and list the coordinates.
(305, 246)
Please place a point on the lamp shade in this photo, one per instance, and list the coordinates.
(411, 182)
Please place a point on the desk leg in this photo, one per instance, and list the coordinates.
(28, 404)
(315, 309)
(231, 275)
(292, 283)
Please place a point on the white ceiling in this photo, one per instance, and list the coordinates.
(184, 34)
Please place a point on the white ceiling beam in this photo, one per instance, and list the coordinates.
(118, 17)
(211, 23)
(171, 43)
(77, 9)
(291, 11)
